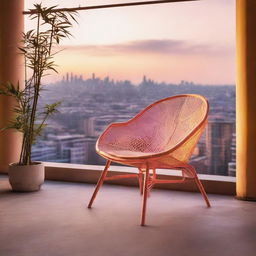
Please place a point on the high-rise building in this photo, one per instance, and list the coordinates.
(232, 163)
(218, 143)
(91, 156)
(88, 124)
(44, 152)
(70, 148)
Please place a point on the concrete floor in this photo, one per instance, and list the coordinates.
(56, 222)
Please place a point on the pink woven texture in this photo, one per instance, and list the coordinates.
(162, 135)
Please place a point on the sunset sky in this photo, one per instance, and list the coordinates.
(193, 41)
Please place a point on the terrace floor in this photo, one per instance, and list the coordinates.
(56, 222)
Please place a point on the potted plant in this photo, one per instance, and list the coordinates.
(37, 48)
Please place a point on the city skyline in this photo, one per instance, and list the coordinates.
(167, 42)
(93, 103)
(72, 76)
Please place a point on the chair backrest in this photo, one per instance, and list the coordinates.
(166, 123)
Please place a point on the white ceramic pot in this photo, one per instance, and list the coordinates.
(26, 178)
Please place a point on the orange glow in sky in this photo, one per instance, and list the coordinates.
(193, 41)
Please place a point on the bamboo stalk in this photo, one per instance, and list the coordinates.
(33, 112)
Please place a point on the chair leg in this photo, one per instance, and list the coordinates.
(152, 180)
(99, 184)
(145, 197)
(201, 188)
(193, 174)
(140, 178)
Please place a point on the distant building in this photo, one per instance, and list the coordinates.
(44, 153)
(69, 148)
(88, 126)
(200, 164)
(198, 158)
(77, 148)
(218, 144)
(91, 156)
(232, 163)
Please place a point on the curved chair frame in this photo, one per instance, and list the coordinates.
(145, 163)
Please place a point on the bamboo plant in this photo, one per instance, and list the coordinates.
(38, 51)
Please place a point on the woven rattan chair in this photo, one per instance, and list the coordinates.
(163, 135)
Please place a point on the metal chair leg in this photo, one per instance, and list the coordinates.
(99, 184)
(201, 188)
(140, 178)
(145, 197)
(194, 175)
(152, 180)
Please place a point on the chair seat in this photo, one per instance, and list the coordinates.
(115, 152)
